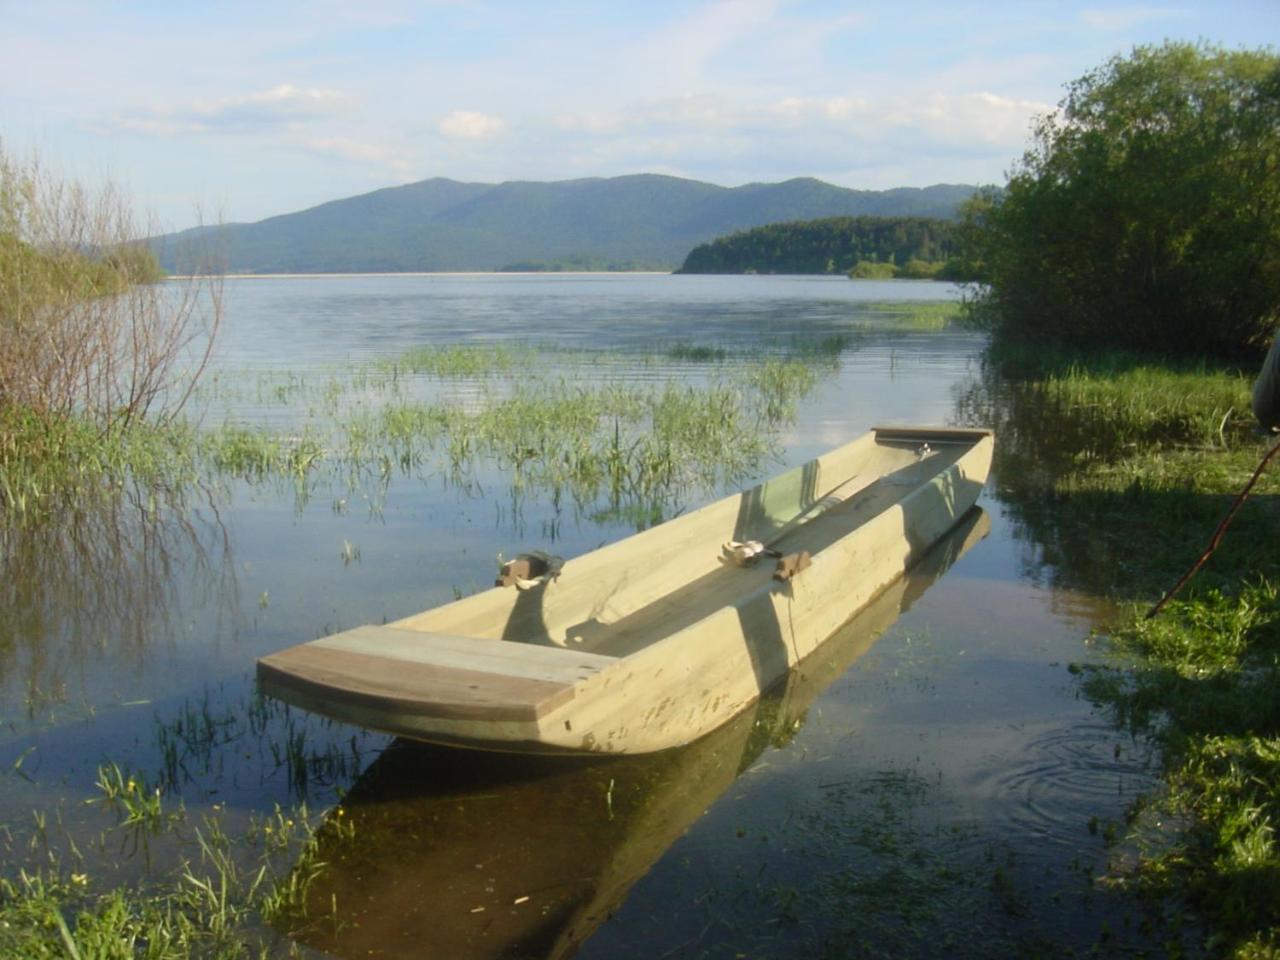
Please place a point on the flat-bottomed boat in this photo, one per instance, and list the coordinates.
(655, 640)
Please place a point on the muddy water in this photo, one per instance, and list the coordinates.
(933, 785)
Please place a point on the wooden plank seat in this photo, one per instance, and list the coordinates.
(434, 674)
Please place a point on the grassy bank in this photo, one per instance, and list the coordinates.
(1120, 467)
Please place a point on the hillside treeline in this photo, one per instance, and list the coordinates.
(831, 245)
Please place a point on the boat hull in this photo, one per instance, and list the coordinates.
(652, 642)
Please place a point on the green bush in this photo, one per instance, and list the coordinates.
(870, 270)
(1146, 213)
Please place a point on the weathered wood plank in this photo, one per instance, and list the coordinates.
(528, 660)
(432, 674)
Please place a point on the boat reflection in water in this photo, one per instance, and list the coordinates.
(463, 854)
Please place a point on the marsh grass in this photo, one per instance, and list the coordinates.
(463, 360)
(916, 316)
(554, 432)
(200, 890)
(47, 463)
(1120, 467)
(1146, 406)
(221, 899)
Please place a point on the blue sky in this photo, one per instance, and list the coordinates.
(238, 111)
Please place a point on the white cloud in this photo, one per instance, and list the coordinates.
(345, 148)
(468, 125)
(960, 118)
(684, 49)
(282, 105)
(1112, 19)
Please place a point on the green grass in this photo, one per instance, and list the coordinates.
(218, 902)
(1119, 468)
(464, 360)
(650, 442)
(916, 316)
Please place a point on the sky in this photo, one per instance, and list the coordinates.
(236, 111)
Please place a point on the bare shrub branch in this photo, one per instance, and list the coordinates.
(88, 325)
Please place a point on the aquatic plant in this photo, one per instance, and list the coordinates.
(696, 353)
(462, 359)
(916, 315)
(129, 794)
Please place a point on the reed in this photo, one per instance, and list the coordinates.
(555, 431)
(462, 360)
(916, 316)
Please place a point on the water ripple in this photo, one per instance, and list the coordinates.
(1065, 784)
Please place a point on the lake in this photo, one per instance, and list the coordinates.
(932, 784)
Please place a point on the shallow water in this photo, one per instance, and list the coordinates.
(941, 790)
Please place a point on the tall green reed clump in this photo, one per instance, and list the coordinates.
(628, 440)
(1104, 405)
(53, 463)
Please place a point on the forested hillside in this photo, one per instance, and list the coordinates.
(830, 245)
(633, 222)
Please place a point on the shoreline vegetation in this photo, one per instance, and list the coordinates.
(1130, 290)
(1120, 466)
(641, 446)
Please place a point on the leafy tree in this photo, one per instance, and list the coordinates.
(1146, 212)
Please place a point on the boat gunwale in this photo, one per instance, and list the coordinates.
(530, 718)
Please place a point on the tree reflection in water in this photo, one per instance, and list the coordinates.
(92, 588)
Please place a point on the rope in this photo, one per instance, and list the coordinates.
(1217, 534)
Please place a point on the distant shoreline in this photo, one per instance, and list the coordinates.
(431, 273)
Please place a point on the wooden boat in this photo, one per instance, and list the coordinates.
(561, 843)
(655, 640)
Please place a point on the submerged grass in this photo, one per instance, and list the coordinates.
(635, 441)
(917, 316)
(1120, 467)
(225, 900)
(214, 884)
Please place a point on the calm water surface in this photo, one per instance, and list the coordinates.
(931, 785)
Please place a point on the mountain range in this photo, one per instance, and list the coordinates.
(631, 222)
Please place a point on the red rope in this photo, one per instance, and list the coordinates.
(1217, 534)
